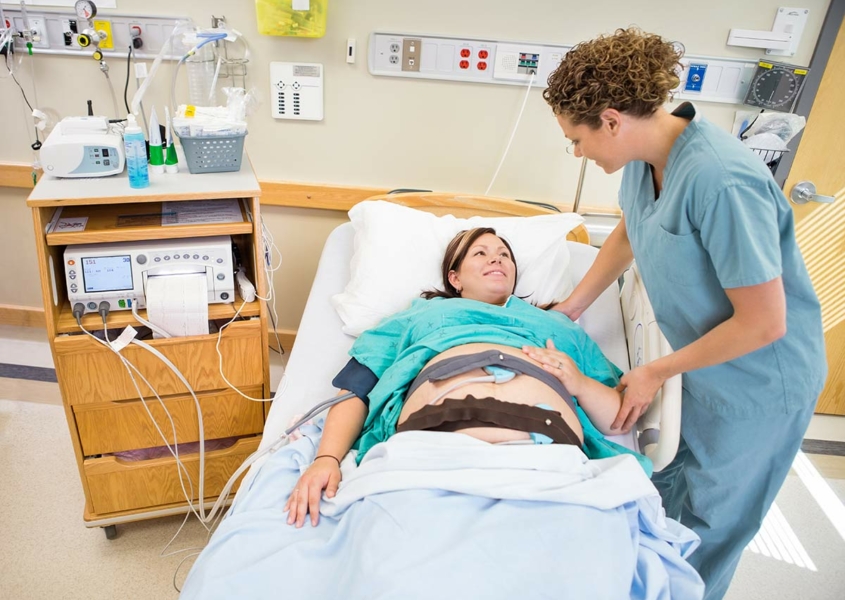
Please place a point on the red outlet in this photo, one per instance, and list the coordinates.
(483, 54)
(482, 66)
(464, 64)
(465, 52)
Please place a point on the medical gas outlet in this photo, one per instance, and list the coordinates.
(419, 56)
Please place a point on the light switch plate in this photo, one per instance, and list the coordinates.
(296, 91)
(791, 21)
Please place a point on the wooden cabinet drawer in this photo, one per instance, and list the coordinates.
(91, 373)
(117, 485)
(119, 426)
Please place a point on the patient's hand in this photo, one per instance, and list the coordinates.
(558, 364)
(323, 474)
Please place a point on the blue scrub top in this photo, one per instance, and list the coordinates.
(722, 222)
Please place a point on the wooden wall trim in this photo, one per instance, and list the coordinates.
(306, 195)
(22, 316)
(273, 193)
(17, 175)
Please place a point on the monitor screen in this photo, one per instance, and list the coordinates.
(107, 273)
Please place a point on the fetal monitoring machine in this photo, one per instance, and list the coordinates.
(120, 272)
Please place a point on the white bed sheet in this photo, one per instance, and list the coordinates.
(321, 348)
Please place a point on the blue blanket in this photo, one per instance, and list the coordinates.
(442, 515)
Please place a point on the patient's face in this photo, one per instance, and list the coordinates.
(487, 273)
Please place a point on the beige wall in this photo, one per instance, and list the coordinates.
(384, 132)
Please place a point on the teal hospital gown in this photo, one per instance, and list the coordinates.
(401, 345)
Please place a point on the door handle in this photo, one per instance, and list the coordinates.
(805, 191)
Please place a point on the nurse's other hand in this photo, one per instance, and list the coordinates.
(569, 308)
(323, 474)
(639, 385)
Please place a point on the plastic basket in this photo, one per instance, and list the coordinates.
(213, 154)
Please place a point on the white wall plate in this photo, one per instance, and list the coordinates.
(296, 91)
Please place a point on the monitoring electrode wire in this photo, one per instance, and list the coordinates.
(215, 512)
(269, 270)
(180, 466)
(211, 517)
(129, 366)
(144, 321)
(202, 516)
(513, 133)
(269, 244)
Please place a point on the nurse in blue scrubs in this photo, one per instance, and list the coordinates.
(713, 237)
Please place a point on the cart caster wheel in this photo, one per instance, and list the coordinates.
(110, 531)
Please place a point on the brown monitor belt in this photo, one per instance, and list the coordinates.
(453, 415)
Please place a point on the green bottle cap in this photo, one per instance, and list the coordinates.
(171, 158)
(156, 155)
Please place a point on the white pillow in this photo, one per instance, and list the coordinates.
(398, 252)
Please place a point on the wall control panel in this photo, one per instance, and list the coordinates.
(703, 79)
(296, 91)
(63, 32)
(461, 59)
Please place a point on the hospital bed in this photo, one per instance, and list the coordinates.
(431, 514)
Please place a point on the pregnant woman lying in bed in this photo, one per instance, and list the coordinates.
(471, 358)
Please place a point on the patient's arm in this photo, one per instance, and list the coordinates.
(343, 426)
(600, 402)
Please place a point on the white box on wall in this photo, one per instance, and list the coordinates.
(296, 91)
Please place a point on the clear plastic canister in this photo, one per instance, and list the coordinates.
(201, 67)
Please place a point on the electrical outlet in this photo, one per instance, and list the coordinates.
(104, 27)
(411, 54)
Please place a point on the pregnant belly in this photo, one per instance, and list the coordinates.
(522, 389)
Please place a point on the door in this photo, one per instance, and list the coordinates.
(820, 227)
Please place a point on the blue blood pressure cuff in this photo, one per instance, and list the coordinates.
(356, 378)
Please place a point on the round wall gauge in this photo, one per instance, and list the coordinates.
(775, 86)
(85, 9)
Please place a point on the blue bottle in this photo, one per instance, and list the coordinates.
(136, 154)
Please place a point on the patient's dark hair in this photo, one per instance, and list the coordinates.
(455, 254)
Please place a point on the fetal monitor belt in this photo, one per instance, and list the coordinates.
(454, 415)
(456, 365)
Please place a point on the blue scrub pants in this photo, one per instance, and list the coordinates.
(723, 480)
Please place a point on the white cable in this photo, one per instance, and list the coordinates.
(181, 377)
(144, 321)
(211, 100)
(129, 366)
(113, 96)
(513, 133)
(220, 357)
(484, 379)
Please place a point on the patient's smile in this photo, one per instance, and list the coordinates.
(488, 272)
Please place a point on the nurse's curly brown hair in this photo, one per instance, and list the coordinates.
(631, 71)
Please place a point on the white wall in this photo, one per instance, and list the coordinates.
(394, 132)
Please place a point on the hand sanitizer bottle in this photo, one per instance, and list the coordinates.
(136, 154)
